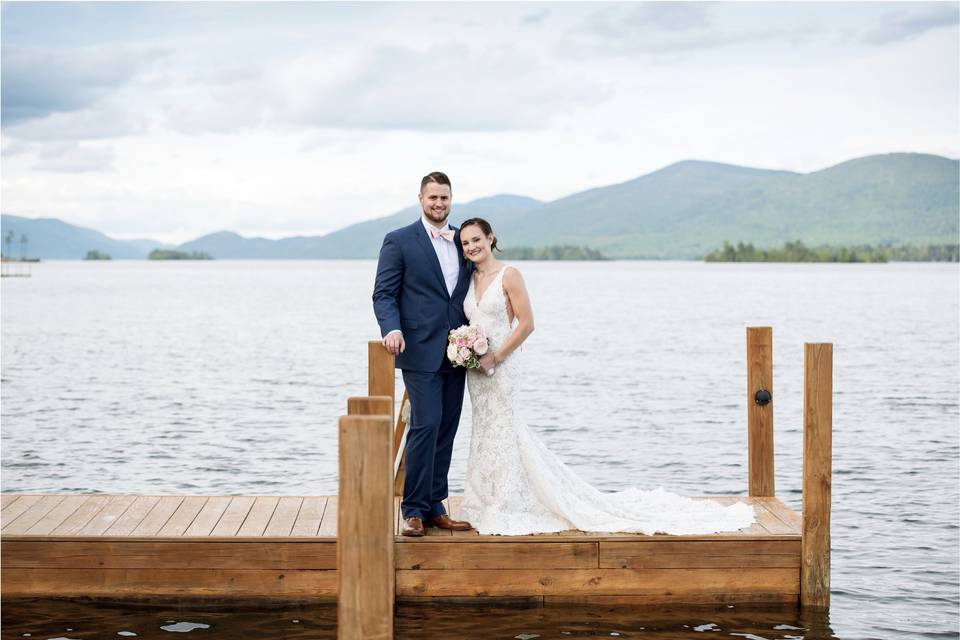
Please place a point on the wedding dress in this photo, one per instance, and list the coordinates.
(516, 486)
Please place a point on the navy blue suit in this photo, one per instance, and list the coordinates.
(410, 294)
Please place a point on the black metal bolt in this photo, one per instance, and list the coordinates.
(762, 397)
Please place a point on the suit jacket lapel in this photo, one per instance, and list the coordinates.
(465, 265)
(424, 241)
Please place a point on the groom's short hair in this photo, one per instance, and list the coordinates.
(436, 176)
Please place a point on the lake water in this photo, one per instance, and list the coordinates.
(228, 377)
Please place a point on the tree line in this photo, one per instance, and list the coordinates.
(797, 251)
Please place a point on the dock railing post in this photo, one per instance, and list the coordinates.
(369, 406)
(365, 525)
(381, 381)
(400, 444)
(760, 411)
(381, 373)
(817, 472)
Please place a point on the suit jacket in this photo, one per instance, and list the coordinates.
(410, 294)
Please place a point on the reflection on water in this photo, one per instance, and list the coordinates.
(77, 620)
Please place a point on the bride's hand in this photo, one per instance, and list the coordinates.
(487, 362)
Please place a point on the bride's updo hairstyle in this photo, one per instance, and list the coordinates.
(484, 227)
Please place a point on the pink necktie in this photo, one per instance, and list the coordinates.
(446, 234)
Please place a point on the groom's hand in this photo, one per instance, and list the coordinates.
(394, 343)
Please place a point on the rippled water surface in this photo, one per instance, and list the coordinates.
(228, 376)
(45, 619)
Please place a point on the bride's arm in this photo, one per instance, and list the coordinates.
(519, 301)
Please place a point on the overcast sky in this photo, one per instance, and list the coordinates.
(170, 121)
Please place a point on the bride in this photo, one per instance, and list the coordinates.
(514, 484)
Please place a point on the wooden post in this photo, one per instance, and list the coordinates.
(369, 406)
(760, 414)
(381, 372)
(817, 462)
(400, 445)
(365, 530)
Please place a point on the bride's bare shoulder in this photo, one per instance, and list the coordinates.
(512, 276)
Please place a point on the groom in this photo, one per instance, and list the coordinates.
(422, 279)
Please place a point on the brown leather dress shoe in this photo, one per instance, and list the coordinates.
(412, 527)
(446, 522)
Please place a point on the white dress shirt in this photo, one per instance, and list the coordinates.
(447, 255)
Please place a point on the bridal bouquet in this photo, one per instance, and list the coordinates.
(465, 346)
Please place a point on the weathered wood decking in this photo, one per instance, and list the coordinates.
(132, 547)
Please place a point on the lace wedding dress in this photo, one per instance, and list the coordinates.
(516, 486)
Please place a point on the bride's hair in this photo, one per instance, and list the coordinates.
(484, 227)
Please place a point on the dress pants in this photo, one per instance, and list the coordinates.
(436, 399)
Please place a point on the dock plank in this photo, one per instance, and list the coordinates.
(770, 521)
(141, 553)
(16, 509)
(6, 499)
(77, 520)
(259, 516)
(699, 554)
(184, 516)
(786, 515)
(136, 512)
(521, 555)
(108, 515)
(233, 517)
(208, 517)
(57, 515)
(525, 582)
(139, 583)
(158, 516)
(779, 598)
(311, 514)
(284, 516)
(33, 514)
(328, 526)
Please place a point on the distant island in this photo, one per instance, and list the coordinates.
(553, 252)
(798, 252)
(169, 254)
(93, 254)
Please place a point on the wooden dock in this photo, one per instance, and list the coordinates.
(223, 547)
(347, 548)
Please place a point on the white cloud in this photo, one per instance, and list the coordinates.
(70, 157)
(445, 87)
(914, 21)
(102, 121)
(661, 28)
(39, 82)
(315, 116)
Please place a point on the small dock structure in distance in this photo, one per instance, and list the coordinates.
(15, 268)
(347, 547)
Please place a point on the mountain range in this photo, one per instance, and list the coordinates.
(683, 211)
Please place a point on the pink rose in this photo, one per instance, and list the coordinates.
(464, 354)
(481, 346)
